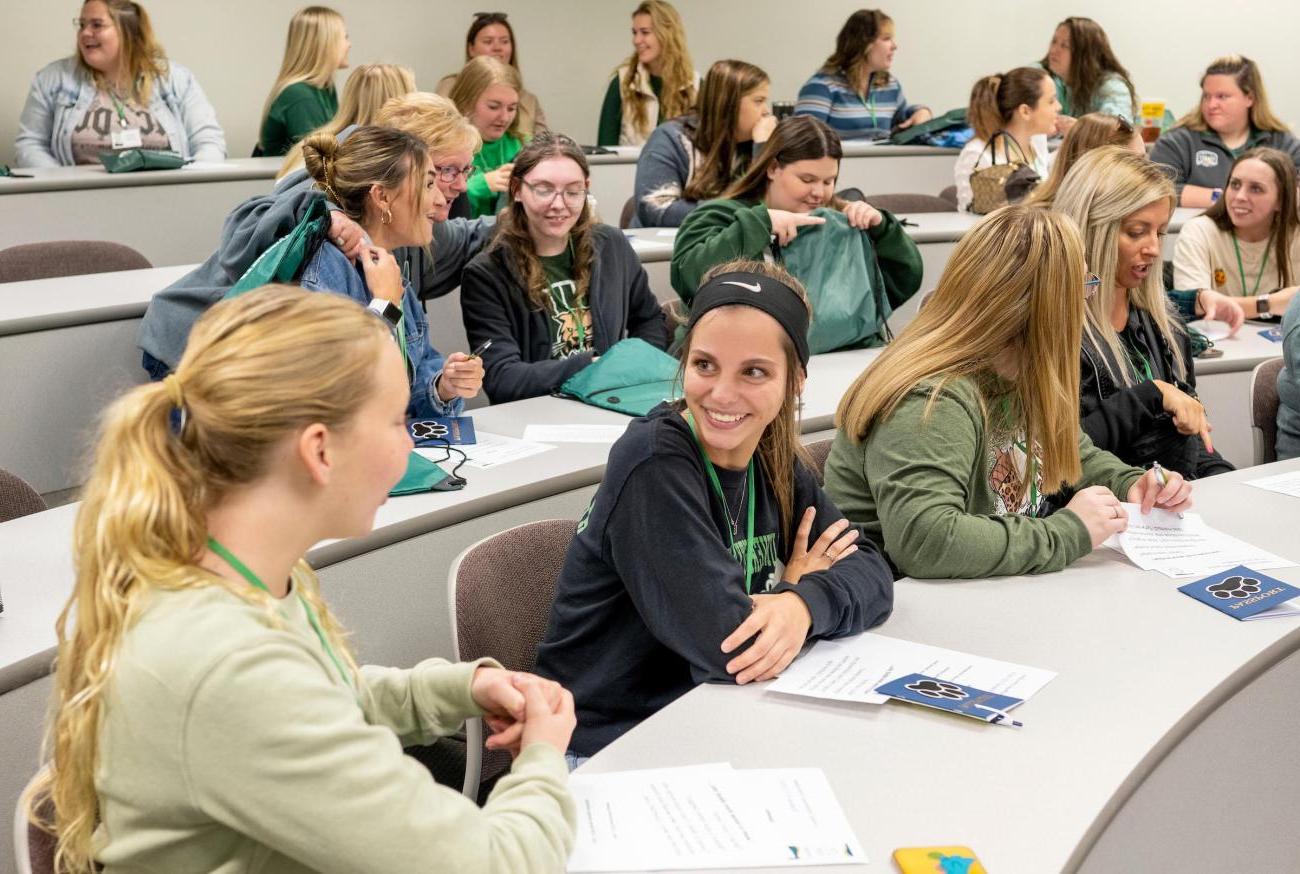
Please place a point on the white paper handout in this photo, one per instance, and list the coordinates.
(1212, 330)
(1283, 483)
(1185, 546)
(574, 433)
(708, 816)
(851, 669)
(490, 450)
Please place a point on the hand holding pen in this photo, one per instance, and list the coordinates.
(1161, 488)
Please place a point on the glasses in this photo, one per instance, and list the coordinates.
(1090, 285)
(96, 25)
(1125, 126)
(451, 173)
(573, 198)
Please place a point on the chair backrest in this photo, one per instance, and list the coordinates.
(1263, 410)
(17, 498)
(819, 450)
(33, 845)
(67, 258)
(501, 590)
(902, 204)
(949, 196)
(629, 210)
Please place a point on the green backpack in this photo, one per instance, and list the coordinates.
(285, 260)
(632, 377)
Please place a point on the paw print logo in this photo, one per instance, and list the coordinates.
(1234, 587)
(428, 430)
(938, 689)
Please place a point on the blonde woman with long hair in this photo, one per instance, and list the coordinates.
(656, 83)
(1137, 387)
(490, 33)
(951, 443)
(487, 94)
(368, 88)
(303, 96)
(118, 91)
(209, 712)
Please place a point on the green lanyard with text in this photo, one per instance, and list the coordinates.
(726, 509)
(243, 570)
(1241, 268)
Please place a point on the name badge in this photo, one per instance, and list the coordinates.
(127, 138)
(1207, 158)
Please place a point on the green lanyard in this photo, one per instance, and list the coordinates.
(257, 583)
(726, 510)
(117, 105)
(1241, 268)
(401, 325)
(1146, 365)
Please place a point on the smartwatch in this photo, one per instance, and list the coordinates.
(1262, 310)
(390, 312)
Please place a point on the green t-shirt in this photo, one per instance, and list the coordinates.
(568, 317)
(483, 200)
(296, 111)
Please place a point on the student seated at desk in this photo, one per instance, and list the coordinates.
(210, 715)
(487, 94)
(303, 97)
(1091, 131)
(1087, 75)
(382, 179)
(490, 34)
(950, 443)
(1288, 386)
(693, 158)
(118, 91)
(1137, 385)
(1247, 245)
(1233, 116)
(1019, 108)
(555, 289)
(658, 82)
(764, 211)
(259, 221)
(854, 92)
(368, 88)
(709, 553)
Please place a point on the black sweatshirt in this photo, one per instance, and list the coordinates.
(1131, 422)
(650, 588)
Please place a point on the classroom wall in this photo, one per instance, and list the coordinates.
(568, 49)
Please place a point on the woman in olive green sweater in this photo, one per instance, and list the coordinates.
(933, 455)
(209, 714)
(303, 96)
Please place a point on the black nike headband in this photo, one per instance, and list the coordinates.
(772, 296)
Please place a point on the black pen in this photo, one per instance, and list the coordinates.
(478, 353)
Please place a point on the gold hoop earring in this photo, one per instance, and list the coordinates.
(386, 216)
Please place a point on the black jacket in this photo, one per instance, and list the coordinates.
(495, 307)
(1131, 421)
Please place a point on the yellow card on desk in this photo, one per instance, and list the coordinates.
(937, 860)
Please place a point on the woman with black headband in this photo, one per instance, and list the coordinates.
(709, 553)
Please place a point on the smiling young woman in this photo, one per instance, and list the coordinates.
(656, 83)
(487, 93)
(491, 34)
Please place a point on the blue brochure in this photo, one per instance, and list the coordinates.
(1245, 594)
(1274, 334)
(441, 430)
(953, 697)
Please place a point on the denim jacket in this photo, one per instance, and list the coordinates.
(61, 94)
(330, 270)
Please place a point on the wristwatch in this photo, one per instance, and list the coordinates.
(386, 308)
(1261, 306)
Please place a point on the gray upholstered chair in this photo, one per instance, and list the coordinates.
(17, 498)
(903, 204)
(949, 195)
(67, 258)
(625, 217)
(1263, 410)
(819, 450)
(500, 591)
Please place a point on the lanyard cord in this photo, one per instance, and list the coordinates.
(256, 582)
(117, 105)
(717, 490)
(1241, 268)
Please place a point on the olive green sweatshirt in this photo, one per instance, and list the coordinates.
(232, 745)
(919, 484)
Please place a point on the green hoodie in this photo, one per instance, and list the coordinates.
(919, 486)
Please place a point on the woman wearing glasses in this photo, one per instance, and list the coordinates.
(1137, 387)
(949, 444)
(118, 91)
(554, 289)
(490, 34)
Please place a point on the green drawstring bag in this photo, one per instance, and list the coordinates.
(837, 264)
(423, 475)
(633, 378)
(130, 160)
(285, 260)
(917, 133)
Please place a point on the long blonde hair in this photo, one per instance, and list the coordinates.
(1014, 282)
(676, 69)
(311, 51)
(1088, 132)
(477, 76)
(434, 119)
(1251, 82)
(256, 369)
(1104, 187)
(141, 54)
(368, 88)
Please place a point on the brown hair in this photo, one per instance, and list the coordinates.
(1286, 224)
(994, 99)
(1091, 131)
(141, 54)
(849, 59)
(780, 447)
(1251, 82)
(795, 138)
(477, 76)
(512, 224)
(369, 156)
(712, 128)
(486, 19)
(676, 70)
(1091, 61)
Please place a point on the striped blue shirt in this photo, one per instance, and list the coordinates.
(830, 98)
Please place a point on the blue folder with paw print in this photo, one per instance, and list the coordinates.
(1245, 594)
(953, 697)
